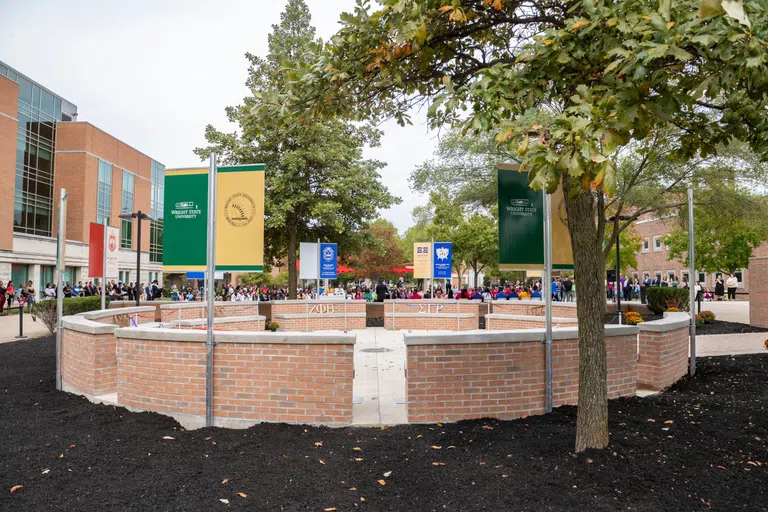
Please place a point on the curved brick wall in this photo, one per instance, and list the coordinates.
(431, 315)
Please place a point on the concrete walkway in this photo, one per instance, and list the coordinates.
(379, 385)
(9, 328)
(731, 344)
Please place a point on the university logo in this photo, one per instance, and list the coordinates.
(328, 254)
(442, 253)
(239, 209)
(185, 204)
(519, 202)
(112, 243)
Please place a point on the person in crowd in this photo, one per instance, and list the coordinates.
(500, 295)
(719, 288)
(77, 289)
(415, 294)
(3, 292)
(731, 284)
(449, 290)
(31, 295)
(381, 292)
(708, 296)
(174, 293)
(477, 295)
(10, 293)
(49, 292)
(665, 282)
(554, 288)
(683, 283)
(535, 294)
(513, 294)
(567, 287)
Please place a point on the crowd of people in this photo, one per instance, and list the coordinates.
(632, 288)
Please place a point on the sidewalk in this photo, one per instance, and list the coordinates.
(731, 344)
(9, 328)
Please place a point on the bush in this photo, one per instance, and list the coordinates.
(661, 299)
(45, 310)
(633, 318)
(699, 319)
(273, 326)
(708, 316)
(673, 310)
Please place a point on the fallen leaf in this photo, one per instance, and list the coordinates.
(362, 499)
(438, 463)
(357, 448)
(242, 495)
(387, 474)
(208, 438)
(353, 488)
(329, 509)
(721, 467)
(16, 488)
(419, 436)
(439, 424)
(450, 447)
(382, 482)
(504, 476)
(72, 446)
(668, 422)
(46, 471)
(359, 459)
(487, 427)
(319, 443)
(168, 437)
(321, 461)
(224, 501)
(752, 463)
(224, 481)
(61, 455)
(436, 447)
(652, 420)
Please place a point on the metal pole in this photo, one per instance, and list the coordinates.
(691, 273)
(61, 248)
(617, 287)
(548, 296)
(104, 268)
(210, 270)
(21, 319)
(432, 265)
(319, 265)
(138, 260)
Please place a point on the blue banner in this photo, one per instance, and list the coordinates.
(442, 255)
(328, 261)
(195, 275)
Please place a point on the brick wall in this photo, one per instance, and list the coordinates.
(496, 322)
(280, 307)
(430, 322)
(226, 324)
(431, 306)
(9, 113)
(758, 295)
(505, 380)
(182, 311)
(319, 323)
(663, 357)
(291, 383)
(532, 308)
(88, 362)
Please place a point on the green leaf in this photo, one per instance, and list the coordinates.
(704, 39)
(753, 62)
(679, 53)
(664, 9)
(735, 10)
(709, 8)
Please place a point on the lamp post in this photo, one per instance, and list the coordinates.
(137, 215)
(617, 288)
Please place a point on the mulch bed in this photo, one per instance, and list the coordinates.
(699, 446)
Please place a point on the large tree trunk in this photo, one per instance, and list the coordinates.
(293, 275)
(585, 226)
(474, 269)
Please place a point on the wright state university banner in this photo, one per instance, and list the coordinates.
(239, 219)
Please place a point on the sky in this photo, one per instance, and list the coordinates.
(154, 73)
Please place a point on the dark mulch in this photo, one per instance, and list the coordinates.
(722, 327)
(374, 322)
(699, 446)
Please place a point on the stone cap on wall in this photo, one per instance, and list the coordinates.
(294, 338)
(527, 302)
(217, 304)
(429, 315)
(225, 320)
(670, 322)
(511, 336)
(330, 300)
(432, 301)
(80, 323)
(289, 316)
(529, 318)
(105, 313)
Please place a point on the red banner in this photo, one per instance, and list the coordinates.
(96, 250)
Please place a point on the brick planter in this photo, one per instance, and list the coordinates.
(319, 315)
(663, 351)
(433, 315)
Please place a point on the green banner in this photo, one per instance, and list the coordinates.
(185, 220)
(521, 222)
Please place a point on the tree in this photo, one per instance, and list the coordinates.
(630, 244)
(605, 73)
(383, 251)
(318, 185)
(725, 237)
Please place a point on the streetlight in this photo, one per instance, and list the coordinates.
(617, 287)
(137, 215)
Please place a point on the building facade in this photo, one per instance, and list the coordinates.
(653, 257)
(44, 148)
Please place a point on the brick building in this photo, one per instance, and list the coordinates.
(653, 257)
(43, 148)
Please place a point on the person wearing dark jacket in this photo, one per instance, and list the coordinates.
(381, 292)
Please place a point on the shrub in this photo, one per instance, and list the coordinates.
(699, 319)
(708, 316)
(673, 310)
(273, 325)
(633, 318)
(661, 299)
(45, 310)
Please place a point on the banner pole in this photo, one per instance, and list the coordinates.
(104, 268)
(319, 263)
(61, 246)
(691, 283)
(432, 279)
(210, 285)
(548, 296)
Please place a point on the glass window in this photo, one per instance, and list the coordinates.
(656, 243)
(740, 277)
(646, 244)
(126, 232)
(25, 90)
(47, 103)
(3, 70)
(104, 192)
(35, 96)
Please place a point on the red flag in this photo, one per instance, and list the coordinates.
(96, 250)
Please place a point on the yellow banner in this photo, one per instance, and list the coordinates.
(422, 260)
(240, 218)
(562, 255)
